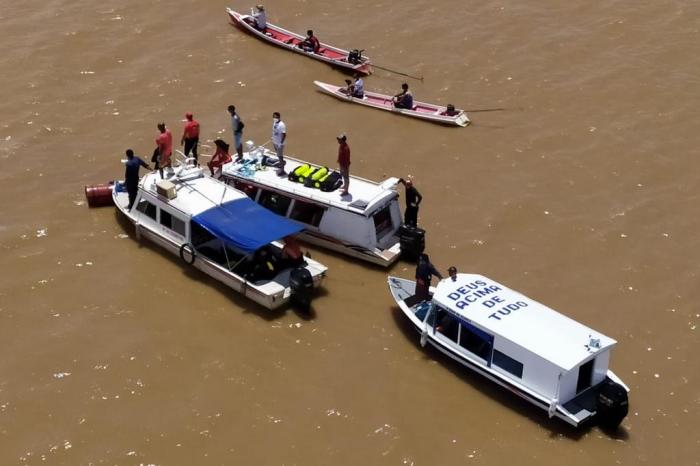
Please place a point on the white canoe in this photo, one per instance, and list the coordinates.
(422, 110)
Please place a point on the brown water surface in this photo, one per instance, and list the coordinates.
(579, 189)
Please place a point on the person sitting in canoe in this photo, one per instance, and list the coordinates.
(260, 18)
(450, 111)
(220, 157)
(404, 99)
(354, 89)
(311, 43)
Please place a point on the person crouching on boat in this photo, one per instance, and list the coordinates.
(291, 252)
(404, 99)
(220, 157)
(164, 149)
(311, 43)
(260, 18)
(424, 275)
(131, 177)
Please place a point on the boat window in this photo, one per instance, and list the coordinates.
(147, 208)
(173, 223)
(382, 221)
(276, 202)
(250, 190)
(585, 375)
(475, 341)
(446, 324)
(307, 213)
(508, 364)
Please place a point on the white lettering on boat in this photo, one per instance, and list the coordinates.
(479, 291)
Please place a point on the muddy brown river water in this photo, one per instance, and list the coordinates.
(577, 184)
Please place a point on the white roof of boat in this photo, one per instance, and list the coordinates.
(365, 196)
(519, 319)
(195, 194)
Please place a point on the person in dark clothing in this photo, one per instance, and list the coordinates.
(424, 275)
(452, 271)
(264, 266)
(413, 200)
(131, 176)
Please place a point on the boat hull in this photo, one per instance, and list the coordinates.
(288, 40)
(402, 290)
(215, 271)
(422, 110)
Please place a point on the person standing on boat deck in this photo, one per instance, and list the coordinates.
(344, 162)
(279, 137)
(452, 271)
(190, 137)
(424, 275)
(260, 18)
(164, 143)
(237, 127)
(131, 176)
(404, 99)
(220, 157)
(413, 200)
(311, 43)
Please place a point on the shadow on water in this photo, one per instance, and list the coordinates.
(556, 426)
(192, 273)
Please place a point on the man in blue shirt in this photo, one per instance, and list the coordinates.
(131, 176)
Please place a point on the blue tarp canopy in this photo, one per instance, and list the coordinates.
(245, 225)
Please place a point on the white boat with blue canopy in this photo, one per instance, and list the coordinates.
(221, 232)
(534, 351)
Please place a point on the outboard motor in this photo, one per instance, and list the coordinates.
(302, 284)
(412, 241)
(612, 404)
(355, 56)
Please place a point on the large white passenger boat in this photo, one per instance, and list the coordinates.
(220, 231)
(535, 352)
(364, 225)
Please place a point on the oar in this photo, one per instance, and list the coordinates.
(397, 72)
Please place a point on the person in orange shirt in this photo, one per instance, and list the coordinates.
(291, 252)
(164, 149)
(190, 137)
(221, 156)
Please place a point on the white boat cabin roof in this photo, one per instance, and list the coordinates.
(366, 195)
(507, 314)
(195, 192)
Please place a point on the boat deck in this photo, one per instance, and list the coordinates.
(365, 195)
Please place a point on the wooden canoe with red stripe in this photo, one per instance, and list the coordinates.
(290, 41)
(422, 110)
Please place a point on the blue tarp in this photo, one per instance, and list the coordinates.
(245, 225)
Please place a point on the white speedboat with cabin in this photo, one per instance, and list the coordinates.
(365, 225)
(535, 352)
(221, 232)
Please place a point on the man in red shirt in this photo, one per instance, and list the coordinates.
(164, 141)
(190, 137)
(344, 162)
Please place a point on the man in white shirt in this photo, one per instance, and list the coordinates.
(260, 18)
(358, 87)
(279, 136)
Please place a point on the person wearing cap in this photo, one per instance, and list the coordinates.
(311, 43)
(237, 127)
(260, 18)
(344, 162)
(131, 176)
(279, 137)
(404, 99)
(190, 137)
(164, 148)
(413, 200)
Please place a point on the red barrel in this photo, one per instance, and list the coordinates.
(99, 195)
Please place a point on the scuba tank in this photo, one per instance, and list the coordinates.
(312, 180)
(295, 174)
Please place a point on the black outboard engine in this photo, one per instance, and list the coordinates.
(355, 56)
(612, 404)
(302, 284)
(412, 240)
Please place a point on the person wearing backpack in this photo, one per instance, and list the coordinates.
(237, 126)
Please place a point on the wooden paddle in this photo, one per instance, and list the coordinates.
(397, 72)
